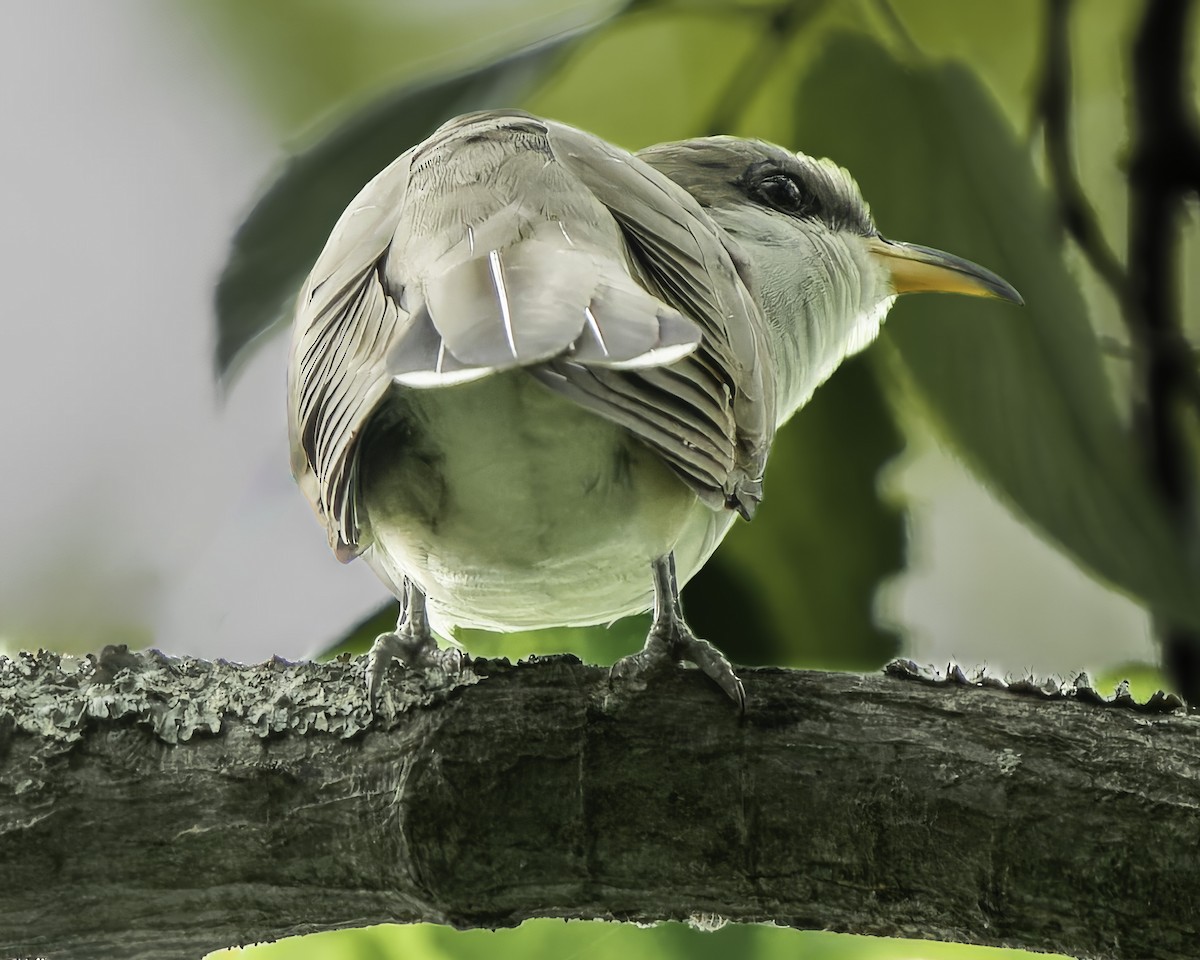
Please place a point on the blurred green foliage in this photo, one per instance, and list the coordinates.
(811, 595)
(559, 940)
(929, 104)
(1022, 398)
(1144, 679)
(307, 59)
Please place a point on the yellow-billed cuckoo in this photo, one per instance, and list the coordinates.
(534, 377)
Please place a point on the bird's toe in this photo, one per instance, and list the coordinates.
(677, 644)
(417, 652)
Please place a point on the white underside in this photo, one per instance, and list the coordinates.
(549, 515)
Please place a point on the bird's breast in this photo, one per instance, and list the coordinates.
(514, 508)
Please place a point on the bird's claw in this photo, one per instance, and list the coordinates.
(718, 669)
(416, 652)
(675, 643)
(654, 657)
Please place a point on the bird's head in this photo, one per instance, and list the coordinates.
(804, 242)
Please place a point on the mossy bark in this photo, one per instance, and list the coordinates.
(162, 808)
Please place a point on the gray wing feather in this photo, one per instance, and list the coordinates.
(662, 336)
(504, 241)
(514, 292)
(346, 318)
(418, 357)
(444, 270)
(533, 300)
(617, 398)
(681, 257)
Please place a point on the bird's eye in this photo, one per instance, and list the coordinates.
(786, 194)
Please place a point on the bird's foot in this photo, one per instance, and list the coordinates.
(417, 651)
(673, 642)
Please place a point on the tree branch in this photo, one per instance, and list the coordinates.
(161, 808)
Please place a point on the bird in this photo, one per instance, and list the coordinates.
(535, 378)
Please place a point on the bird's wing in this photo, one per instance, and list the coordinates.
(514, 263)
(503, 241)
(472, 253)
(346, 317)
(711, 414)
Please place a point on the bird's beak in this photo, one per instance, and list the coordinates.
(916, 269)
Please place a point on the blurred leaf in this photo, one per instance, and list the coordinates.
(811, 561)
(599, 644)
(602, 644)
(1020, 394)
(1001, 42)
(358, 638)
(652, 77)
(1145, 679)
(302, 58)
(600, 940)
(725, 605)
(279, 241)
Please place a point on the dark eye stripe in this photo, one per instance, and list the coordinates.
(829, 197)
(786, 194)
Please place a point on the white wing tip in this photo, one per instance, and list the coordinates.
(655, 357)
(425, 379)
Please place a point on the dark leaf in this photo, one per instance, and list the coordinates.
(797, 585)
(1021, 395)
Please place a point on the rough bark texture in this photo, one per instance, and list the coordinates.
(162, 808)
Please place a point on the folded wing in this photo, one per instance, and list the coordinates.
(505, 241)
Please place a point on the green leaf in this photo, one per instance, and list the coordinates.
(598, 644)
(1144, 679)
(598, 940)
(279, 241)
(796, 586)
(358, 638)
(1021, 395)
(602, 644)
(653, 76)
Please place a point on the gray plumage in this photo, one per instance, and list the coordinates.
(517, 298)
(459, 270)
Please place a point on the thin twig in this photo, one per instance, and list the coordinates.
(1120, 350)
(1052, 108)
(897, 25)
(780, 25)
(1161, 174)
